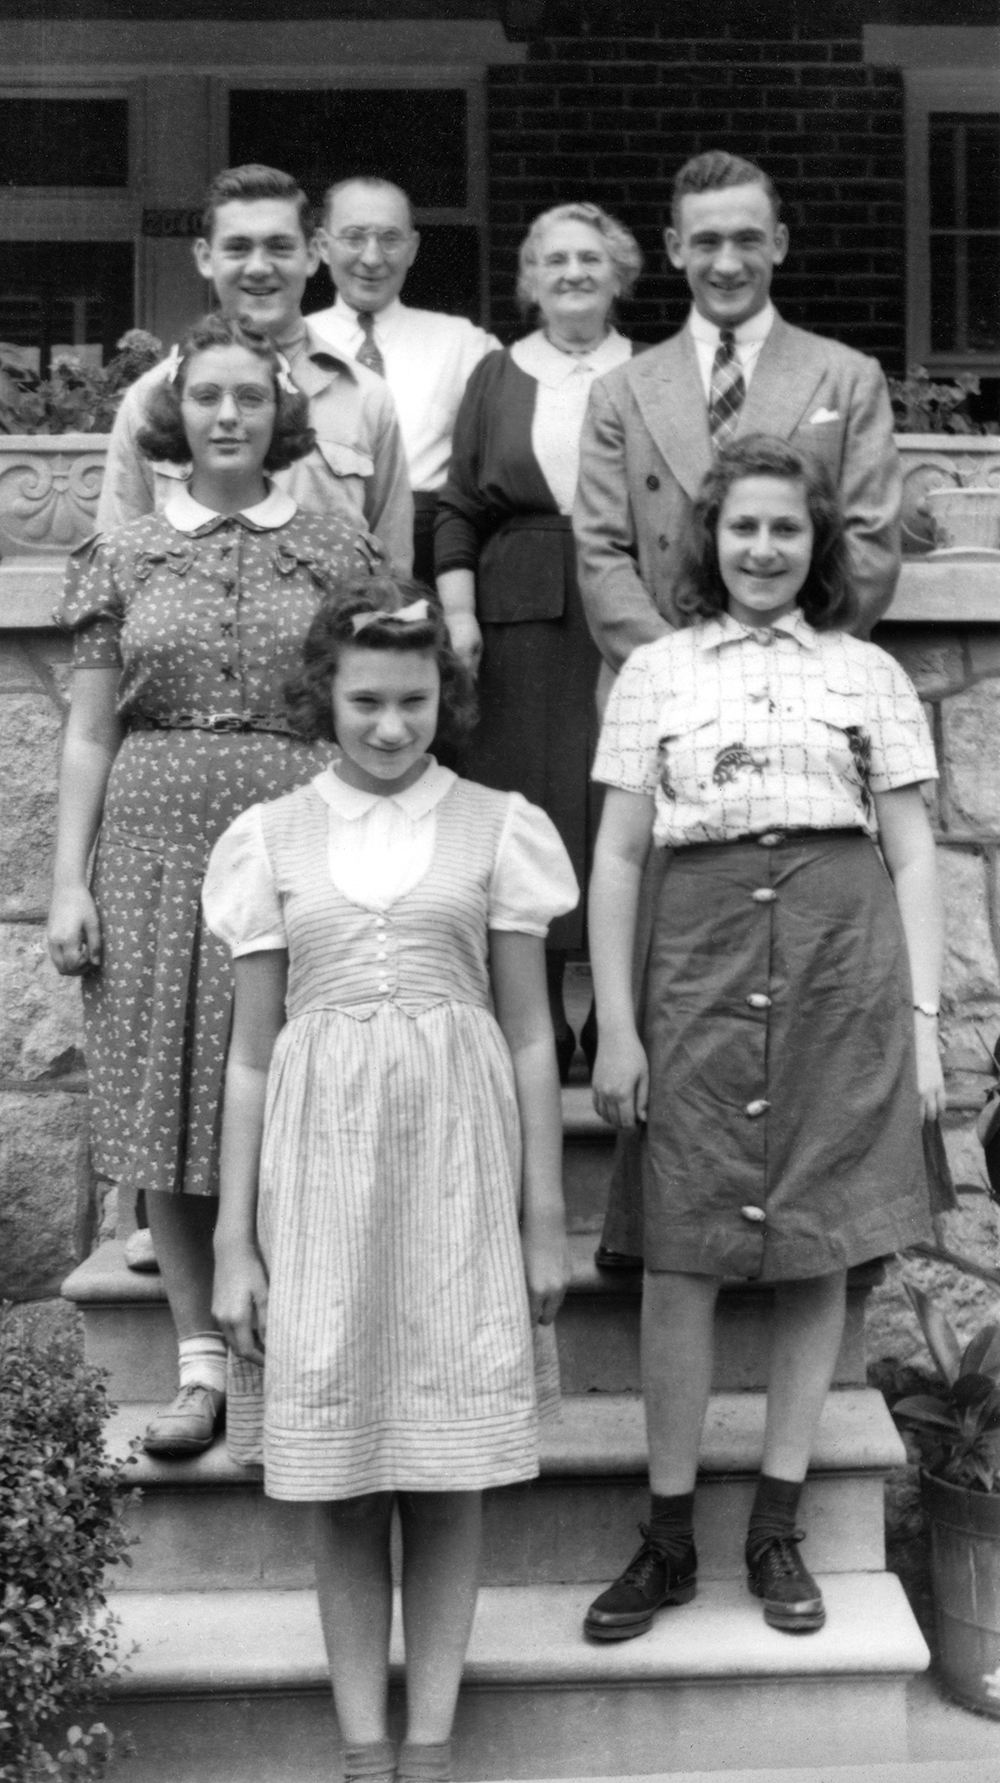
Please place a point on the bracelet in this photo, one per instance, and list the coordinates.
(931, 1010)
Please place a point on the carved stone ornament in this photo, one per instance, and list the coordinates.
(941, 461)
(49, 485)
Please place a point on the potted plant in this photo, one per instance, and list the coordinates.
(951, 465)
(53, 442)
(957, 1430)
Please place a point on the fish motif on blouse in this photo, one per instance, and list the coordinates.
(860, 745)
(735, 758)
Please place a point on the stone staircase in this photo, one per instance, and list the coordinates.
(226, 1677)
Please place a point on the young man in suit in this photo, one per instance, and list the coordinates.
(652, 425)
(369, 243)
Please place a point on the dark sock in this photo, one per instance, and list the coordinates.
(671, 1524)
(774, 1508)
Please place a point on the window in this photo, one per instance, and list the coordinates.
(425, 138)
(65, 294)
(63, 142)
(953, 205)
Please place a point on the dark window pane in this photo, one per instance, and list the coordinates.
(55, 293)
(983, 172)
(444, 276)
(941, 171)
(64, 142)
(414, 137)
(984, 293)
(943, 293)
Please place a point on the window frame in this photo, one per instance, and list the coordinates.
(936, 90)
(472, 80)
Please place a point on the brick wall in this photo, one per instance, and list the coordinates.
(612, 99)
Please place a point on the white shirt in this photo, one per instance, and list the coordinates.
(428, 359)
(736, 730)
(750, 337)
(564, 383)
(187, 515)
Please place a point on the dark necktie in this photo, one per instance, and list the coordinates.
(368, 352)
(727, 392)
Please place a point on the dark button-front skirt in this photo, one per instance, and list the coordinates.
(784, 1135)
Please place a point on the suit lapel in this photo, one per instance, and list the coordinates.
(668, 392)
(789, 370)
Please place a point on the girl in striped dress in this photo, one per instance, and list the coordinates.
(391, 1224)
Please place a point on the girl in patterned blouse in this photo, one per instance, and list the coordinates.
(382, 1127)
(789, 1038)
(187, 623)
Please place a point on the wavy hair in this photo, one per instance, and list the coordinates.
(163, 435)
(248, 185)
(307, 693)
(623, 249)
(827, 597)
(715, 171)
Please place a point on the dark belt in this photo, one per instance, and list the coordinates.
(536, 523)
(777, 838)
(225, 722)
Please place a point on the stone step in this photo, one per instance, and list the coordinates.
(205, 1524)
(231, 1686)
(957, 1770)
(128, 1330)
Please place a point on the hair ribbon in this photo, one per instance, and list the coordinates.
(284, 375)
(173, 364)
(417, 613)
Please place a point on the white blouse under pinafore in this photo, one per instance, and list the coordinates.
(400, 1353)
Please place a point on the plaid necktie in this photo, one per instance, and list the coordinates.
(368, 353)
(727, 392)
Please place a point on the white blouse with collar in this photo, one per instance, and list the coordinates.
(564, 383)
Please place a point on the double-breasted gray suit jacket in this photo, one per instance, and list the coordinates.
(646, 447)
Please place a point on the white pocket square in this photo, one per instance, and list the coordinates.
(824, 415)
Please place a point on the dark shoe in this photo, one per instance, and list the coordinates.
(792, 1599)
(606, 1259)
(649, 1581)
(565, 1053)
(188, 1425)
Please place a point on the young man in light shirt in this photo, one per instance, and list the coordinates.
(258, 249)
(369, 243)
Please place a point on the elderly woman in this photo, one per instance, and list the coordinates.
(186, 625)
(504, 553)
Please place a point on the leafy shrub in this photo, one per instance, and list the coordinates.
(958, 1429)
(919, 405)
(61, 1503)
(77, 398)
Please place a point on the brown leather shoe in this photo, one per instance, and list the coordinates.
(188, 1425)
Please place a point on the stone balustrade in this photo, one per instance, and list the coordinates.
(51, 1209)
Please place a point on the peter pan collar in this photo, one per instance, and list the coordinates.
(350, 802)
(544, 362)
(724, 629)
(188, 515)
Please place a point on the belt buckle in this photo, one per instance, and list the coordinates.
(223, 721)
(770, 839)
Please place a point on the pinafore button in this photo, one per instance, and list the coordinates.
(753, 1109)
(764, 896)
(757, 1000)
(755, 1215)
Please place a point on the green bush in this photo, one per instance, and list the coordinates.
(61, 1503)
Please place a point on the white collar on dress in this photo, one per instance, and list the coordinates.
(188, 515)
(544, 362)
(383, 319)
(415, 800)
(754, 330)
(726, 630)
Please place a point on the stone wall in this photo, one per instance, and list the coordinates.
(50, 1208)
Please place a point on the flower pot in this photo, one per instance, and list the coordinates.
(965, 1569)
(965, 519)
(933, 461)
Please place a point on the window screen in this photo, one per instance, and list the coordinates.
(964, 157)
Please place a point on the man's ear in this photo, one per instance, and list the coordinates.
(780, 242)
(414, 245)
(314, 251)
(672, 243)
(203, 257)
(322, 240)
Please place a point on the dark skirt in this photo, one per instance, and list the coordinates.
(784, 1133)
(537, 728)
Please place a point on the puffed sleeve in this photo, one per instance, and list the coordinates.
(533, 881)
(239, 898)
(92, 605)
(627, 750)
(901, 749)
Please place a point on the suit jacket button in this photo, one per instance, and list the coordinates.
(663, 541)
(652, 482)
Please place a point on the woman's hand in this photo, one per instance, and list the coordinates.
(466, 639)
(546, 1267)
(74, 932)
(620, 1080)
(930, 1074)
(239, 1301)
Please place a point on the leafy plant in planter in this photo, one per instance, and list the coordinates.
(919, 405)
(78, 397)
(61, 1503)
(957, 1430)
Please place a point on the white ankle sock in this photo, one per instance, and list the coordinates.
(202, 1359)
